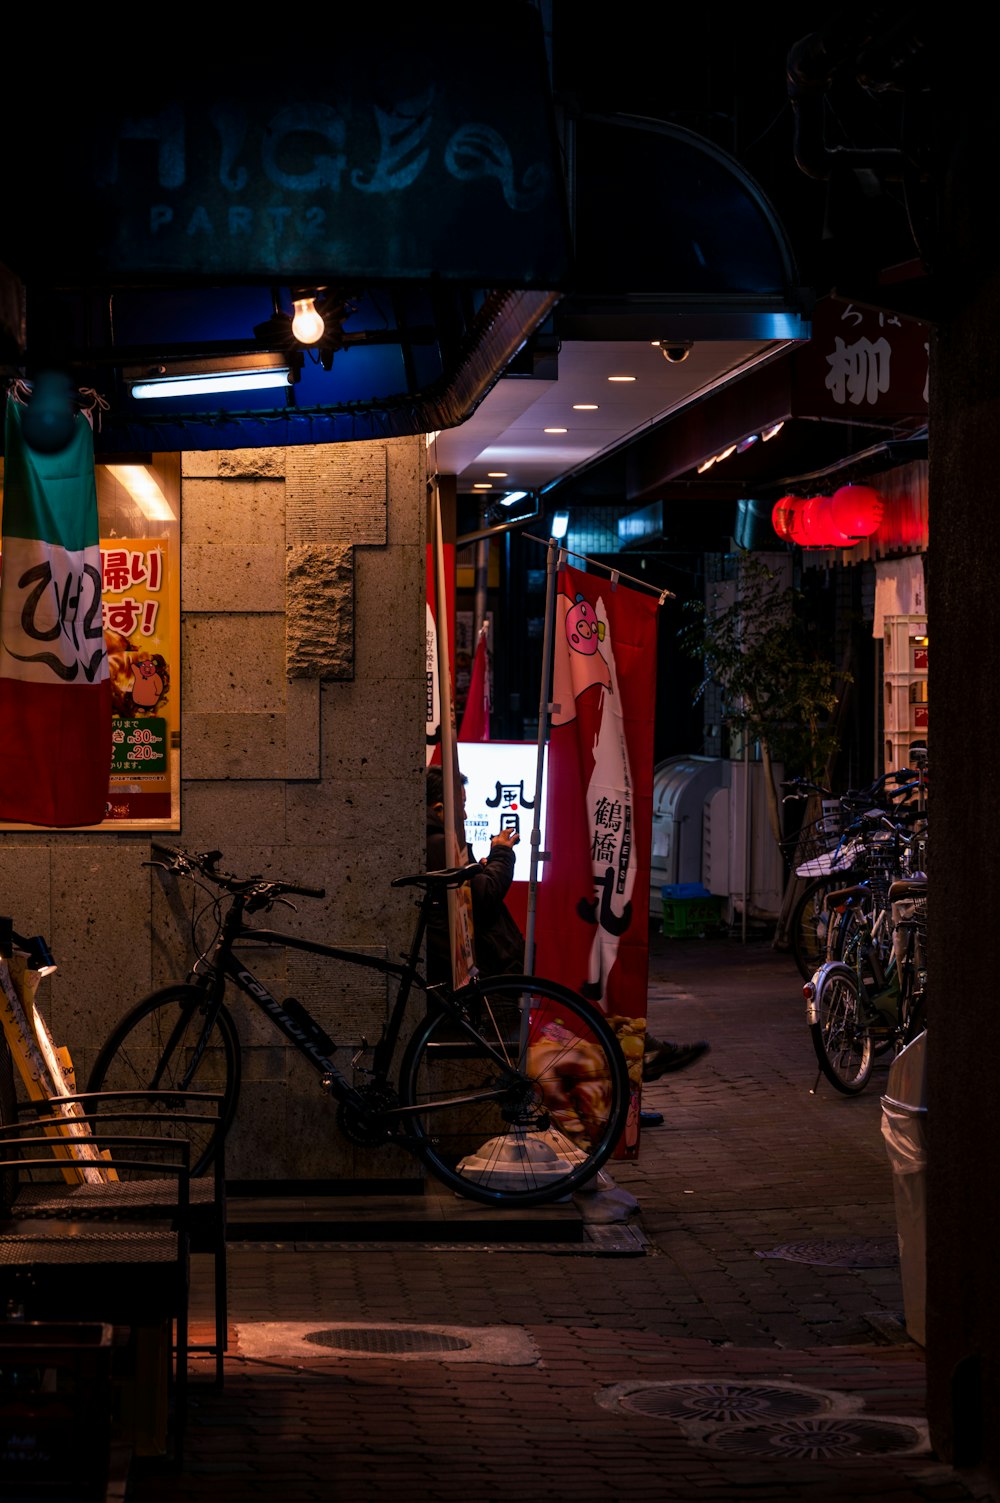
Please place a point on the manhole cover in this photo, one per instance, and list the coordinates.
(386, 1339)
(403, 1341)
(858, 1252)
(821, 1438)
(724, 1403)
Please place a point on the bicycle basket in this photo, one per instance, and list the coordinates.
(813, 851)
(878, 855)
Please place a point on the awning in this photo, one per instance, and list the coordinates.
(166, 212)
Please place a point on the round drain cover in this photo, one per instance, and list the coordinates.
(858, 1252)
(724, 1403)
(823, 1438)
(386, 1339)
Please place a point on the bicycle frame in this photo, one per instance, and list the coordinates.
(222, 964)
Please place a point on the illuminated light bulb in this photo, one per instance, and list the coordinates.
(307, 325)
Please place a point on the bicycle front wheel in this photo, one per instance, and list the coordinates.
(524, 1101)
(842, 1041)
(807, 928)
(162, 1045)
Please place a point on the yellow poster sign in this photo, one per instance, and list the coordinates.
(141, 630)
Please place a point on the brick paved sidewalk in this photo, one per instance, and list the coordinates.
(754, 1345)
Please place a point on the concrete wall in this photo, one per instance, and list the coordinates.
(302, 756)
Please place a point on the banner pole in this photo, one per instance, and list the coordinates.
(544, 706)
(444, 667)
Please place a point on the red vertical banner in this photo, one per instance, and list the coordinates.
(593, 899)
(433, 712)
(441, 573)
(476, 719)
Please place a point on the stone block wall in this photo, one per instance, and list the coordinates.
(302, 756)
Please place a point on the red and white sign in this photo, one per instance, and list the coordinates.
(593, 924)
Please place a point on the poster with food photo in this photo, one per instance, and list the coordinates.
(140, 633)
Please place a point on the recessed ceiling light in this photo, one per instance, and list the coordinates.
(556, 430)
(497, 474)
(584, 406)
(621, 378)
(482, 485)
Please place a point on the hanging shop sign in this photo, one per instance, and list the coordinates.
(366, 154)
(862, 363)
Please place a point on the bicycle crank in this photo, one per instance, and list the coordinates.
(365, 1125)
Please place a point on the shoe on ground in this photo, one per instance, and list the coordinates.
(651, 1119)
(672, 1057)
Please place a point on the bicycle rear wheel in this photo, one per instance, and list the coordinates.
(842, 1041)
(526, 1104)
(161, 1045)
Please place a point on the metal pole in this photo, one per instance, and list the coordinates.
(454, 840)
(482, 579)
(746, 831)
(544, 707)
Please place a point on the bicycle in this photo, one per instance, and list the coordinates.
(828, 857)
(512, 1090)
(864, 1000)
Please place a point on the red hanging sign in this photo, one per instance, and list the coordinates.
(593, 904)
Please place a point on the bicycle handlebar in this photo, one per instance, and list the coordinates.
(257, 889)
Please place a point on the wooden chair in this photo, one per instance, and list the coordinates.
(133, 1273)
(138, 1196)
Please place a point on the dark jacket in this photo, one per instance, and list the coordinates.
(499, 943)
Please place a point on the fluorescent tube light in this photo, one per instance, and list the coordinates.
(210, 384)
(512, 498)
(560, 524)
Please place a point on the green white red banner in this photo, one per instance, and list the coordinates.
(55, 693)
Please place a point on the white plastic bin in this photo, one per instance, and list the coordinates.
(904, 1117)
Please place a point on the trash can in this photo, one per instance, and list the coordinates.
(904, 1119)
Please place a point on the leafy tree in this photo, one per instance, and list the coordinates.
(779, 686)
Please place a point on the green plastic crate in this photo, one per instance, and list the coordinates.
(691, 918)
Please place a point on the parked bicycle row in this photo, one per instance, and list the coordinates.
(859, 929)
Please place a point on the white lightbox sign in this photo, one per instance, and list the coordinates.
(500, 793)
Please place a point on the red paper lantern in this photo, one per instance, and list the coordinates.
(808, 524)
(832, 535)
(783, 516)
(856, 511)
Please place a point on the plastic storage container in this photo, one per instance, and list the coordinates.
(690, 911)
